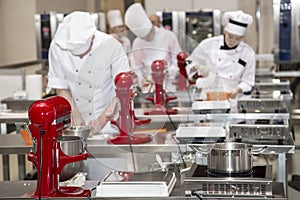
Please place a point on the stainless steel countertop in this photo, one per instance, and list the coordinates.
(186, 115)
(16, 189)
(14, 144)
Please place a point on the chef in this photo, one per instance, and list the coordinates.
(155, 20)
(117, 28)
(82, 65)
(226, 62)
(152, 43)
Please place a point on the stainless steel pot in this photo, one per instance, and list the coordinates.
(230, 158)
(71, 145)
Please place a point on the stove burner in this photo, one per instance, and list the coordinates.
(230, 174)
(202, 182)
(203, 171)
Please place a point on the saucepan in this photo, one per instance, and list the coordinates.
(230, 157)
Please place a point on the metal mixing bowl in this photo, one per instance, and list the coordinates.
(81, 131)
(71, 145)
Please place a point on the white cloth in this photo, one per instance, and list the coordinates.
(91, 79)
(114, 18)
(236, 22)
(75, 32)
(164, 46)
(137, 20)
(235, 67)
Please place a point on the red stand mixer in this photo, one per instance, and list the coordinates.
(160, 98)
(127, 121)
(48, 118)
(182, 82)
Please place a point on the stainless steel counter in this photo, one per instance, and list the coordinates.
(186, 115)
(162, 144)
(16, 189)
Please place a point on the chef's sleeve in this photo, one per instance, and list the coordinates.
(248, 76)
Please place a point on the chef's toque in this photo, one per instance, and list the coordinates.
(137, 20)
(236, 22)
(75, 32)
(114, 18)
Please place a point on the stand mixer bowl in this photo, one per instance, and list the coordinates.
(71, 145)
(81, 131)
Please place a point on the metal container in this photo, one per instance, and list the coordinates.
(71, 145)
(81, 131)
(230, 158)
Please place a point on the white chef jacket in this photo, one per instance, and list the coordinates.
(235, 67)
(124, 41)
(90, 79)
(164, 46)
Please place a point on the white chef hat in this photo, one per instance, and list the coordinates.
(114, 18)
(75, 32)
(137, 20)
(236, 22)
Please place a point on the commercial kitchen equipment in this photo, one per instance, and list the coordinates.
(286, 29)
(46, 25)
(262, 105)
(192, 27)
(160, 98)
(48, 118)
(262, 87)
(263, 133)
(137, 184)
(190, 133)
(182, 82)
(202, 183)
(210, 106)
(127, 121)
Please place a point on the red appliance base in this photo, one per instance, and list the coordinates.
(160, 110)
(64, 192)
(134, 139)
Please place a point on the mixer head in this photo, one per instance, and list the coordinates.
(54, 110)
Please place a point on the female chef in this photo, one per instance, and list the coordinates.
(233, 60)
(117, 28)
(82, 65)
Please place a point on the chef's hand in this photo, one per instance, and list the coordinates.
(197, 70)
(76, 118)
(97, 124)
(202, 70)
(235, 92)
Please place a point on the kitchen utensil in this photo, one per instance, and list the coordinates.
(217, 95)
